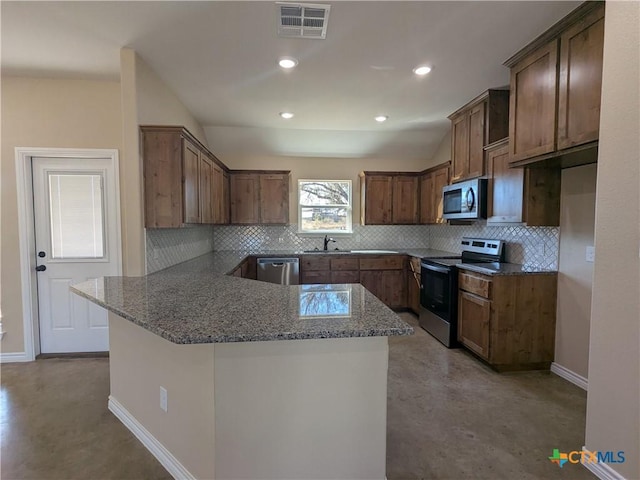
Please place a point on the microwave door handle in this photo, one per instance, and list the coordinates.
(433, 268)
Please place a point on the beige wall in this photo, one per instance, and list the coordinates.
(575, 274)
(43, 112)
(613, 399)
(146, 100)
(443, 153)
(140, 363)
(325, 169)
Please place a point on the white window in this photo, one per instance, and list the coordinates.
(324, 206)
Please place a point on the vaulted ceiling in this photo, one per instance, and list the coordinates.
(220, 58)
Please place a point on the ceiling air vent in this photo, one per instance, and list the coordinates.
(302, 20)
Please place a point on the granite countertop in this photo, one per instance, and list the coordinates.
(504, 269)
(195, 302)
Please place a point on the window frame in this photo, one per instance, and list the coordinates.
(349, 208)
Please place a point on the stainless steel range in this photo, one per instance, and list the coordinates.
(439, 289)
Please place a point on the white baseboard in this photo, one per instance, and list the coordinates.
(601, 470)
(570, 376)
(15, 357)
(164, 456)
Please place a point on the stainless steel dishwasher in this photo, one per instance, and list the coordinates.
(285, 271)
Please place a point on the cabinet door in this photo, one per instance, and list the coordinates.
(427, 214)
(190, 182)
(274, 198)
(459, 147)
(207, 189)
(218, 194)
(413, 291)
(532, 121)
(226, 209)
(474, 314)
(162, 164)
(505, 187)
(244, 198)
(440, 179)
(378, 199)
(316, 277)
(345, 276)
(405, 200)
(580, 81)
(372, 281)
(476, 141)
(394, 288)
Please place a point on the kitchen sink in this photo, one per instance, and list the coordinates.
(326, 251)
(374, 251)
(370, 252)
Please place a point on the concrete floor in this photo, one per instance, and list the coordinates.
(449, 417)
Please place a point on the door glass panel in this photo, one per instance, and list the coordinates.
(76, 205)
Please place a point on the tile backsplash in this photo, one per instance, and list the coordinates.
(260, 237)
(534, 246)
(170, 246)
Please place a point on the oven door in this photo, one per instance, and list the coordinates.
(438, 290)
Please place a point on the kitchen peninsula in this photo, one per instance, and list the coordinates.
(225, 377)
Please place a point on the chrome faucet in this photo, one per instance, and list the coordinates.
(326, 242)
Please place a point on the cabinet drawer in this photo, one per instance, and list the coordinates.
(316, 277)
(475, 284)
(314, 262)
(345, 276)
(342, 263)
(391, 262)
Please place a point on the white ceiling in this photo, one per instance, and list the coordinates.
(220, 59)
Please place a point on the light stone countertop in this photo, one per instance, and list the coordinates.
(504, 269)
(196, 302)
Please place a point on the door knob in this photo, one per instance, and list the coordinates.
(41, 268)
(42, 254)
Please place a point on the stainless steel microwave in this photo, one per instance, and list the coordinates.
(465, 200)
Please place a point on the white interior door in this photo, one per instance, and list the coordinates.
(76, 239)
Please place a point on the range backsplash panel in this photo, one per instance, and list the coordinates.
(166, 247)
(534, 246)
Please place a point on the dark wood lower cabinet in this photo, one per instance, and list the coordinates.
(315, 276)
(474, 313)
(382, 275)
(387, 285)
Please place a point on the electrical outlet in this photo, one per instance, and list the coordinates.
(590, 255)
(163, 398)
(155, 254)
(358, 238)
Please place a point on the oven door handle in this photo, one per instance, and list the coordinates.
(433, 268)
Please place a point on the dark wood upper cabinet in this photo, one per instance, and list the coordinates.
(580, 80)
(555, 89)
(533, 103)
(516, 195)
(179, 178)
(405, 199)
(274, 198)
(245, 198)
(480, 122)
(259, 197)
(389, 198)
(431, 183)
(376, 199)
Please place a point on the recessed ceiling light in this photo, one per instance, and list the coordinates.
(381, 118)
(421, 70)
(286, 115)
(287, 62)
